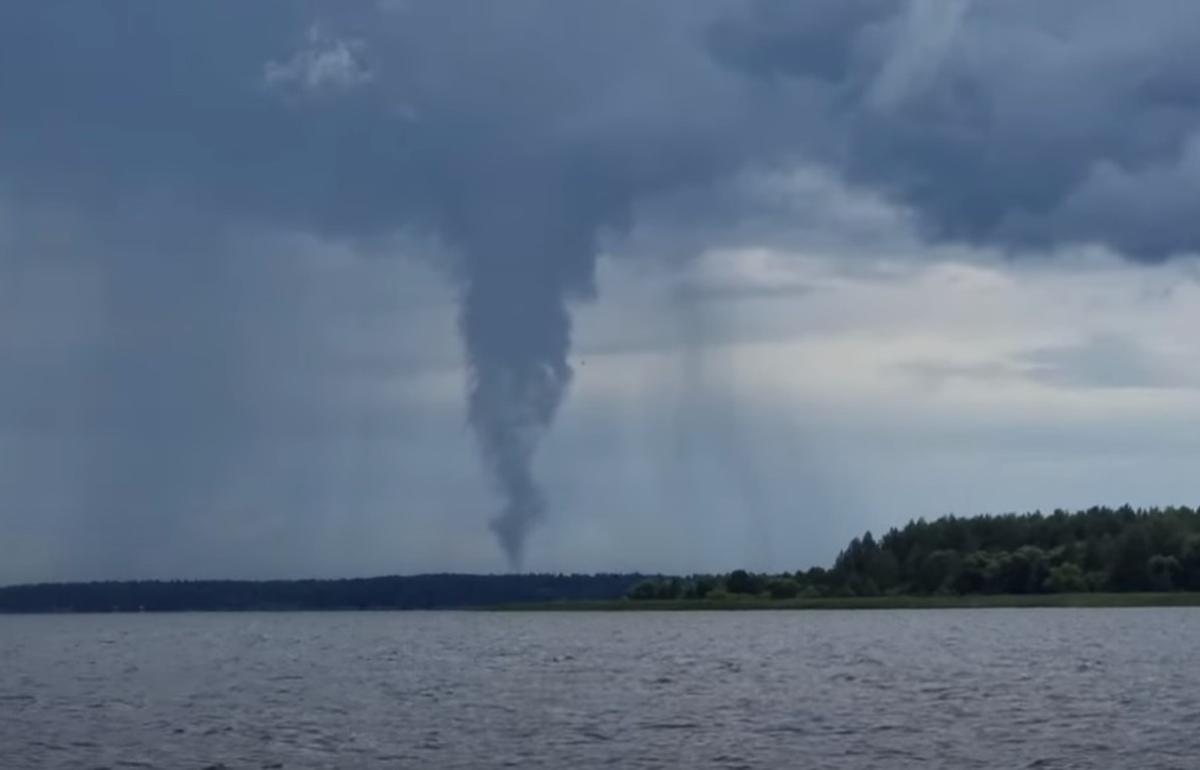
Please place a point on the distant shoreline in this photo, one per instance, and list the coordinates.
(1101, 557)
(902, 602)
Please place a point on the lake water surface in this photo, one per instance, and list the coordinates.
(956, 689)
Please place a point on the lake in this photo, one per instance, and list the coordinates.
(1052, 688)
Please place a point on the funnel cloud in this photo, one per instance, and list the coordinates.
(516, 329)
(158, 162)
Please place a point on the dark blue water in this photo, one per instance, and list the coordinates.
(928, 689)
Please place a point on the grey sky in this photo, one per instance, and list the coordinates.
(709, 284)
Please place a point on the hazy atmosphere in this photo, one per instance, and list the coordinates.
(297, 289)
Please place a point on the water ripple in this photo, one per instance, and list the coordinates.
(960, 689)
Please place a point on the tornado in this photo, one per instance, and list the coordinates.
(523, 258)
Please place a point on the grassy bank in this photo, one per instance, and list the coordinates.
(973, 601)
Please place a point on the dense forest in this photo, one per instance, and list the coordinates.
(1097, 550)
(1100, 549)
(412, 592)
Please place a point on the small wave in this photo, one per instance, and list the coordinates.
(671, 725)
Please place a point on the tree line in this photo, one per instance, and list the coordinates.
(1099, 549)
(395, 592)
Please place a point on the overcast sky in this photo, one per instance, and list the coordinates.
(327, 289)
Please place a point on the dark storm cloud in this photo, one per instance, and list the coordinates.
(513, 133)
(140, 141)
(1022, 124)
(785, 39)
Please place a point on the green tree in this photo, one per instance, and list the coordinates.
(701, 586)
(1024, 571)
(647, 589)
(742, 582)
(1163, 571)
(1031, 568)
(783, 588)
(1128, 569)
(882, 568)
(939, 571)
(974, 574)
(1066, 578)
(1189, 562)
(670, 589)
